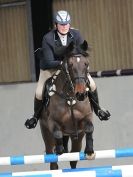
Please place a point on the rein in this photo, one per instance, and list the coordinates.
(66, 71)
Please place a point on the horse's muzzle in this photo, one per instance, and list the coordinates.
(81, 96)
(80, 91)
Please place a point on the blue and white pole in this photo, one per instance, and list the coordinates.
(76, 156)
(112, 171)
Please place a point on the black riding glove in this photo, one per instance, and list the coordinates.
(31, 123)
(103, 114)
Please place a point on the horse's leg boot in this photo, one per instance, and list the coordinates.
(65, 143)
(32, 122)
(101, 113)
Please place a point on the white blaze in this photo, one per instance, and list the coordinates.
(78, 59)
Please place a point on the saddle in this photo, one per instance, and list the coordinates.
(49, 88)
(46, 97)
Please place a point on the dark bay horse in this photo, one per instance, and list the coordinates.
(69, 112)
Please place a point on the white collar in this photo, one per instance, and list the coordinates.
(63, 39)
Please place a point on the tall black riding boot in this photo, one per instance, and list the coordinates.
(32, 122)
(101, 113)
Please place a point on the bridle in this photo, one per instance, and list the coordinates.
(71, 81)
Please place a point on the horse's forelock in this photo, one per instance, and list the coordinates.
(79, 51)
(73, 49)
(70, 48)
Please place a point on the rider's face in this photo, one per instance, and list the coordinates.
(63, 29)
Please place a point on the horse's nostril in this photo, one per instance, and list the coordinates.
(80, 96)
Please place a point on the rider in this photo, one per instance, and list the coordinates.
(53, 46)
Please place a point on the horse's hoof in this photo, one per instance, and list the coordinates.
(53, 166)
(91, 156)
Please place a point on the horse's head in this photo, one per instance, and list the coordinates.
(76, 66)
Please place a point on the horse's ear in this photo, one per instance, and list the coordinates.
(70, 47)
(84, 46)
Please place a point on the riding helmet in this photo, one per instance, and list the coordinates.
(62, 17)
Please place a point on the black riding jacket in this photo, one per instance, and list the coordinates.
(52, 48)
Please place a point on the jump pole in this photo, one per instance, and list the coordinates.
(112, 171)
(76, 156)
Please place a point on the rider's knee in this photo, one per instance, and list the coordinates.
(92, 83)
(38, 95)
(39, 91)
(41, 84)
(93, 86)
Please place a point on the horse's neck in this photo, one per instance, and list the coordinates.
(60, 82)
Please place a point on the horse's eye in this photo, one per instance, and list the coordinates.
(86, 64)
(70, 64)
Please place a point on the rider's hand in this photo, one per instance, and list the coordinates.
(104, 114)
(60, 65)
(31, 123)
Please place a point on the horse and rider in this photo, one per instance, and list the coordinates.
(54, 44)
(66, 94)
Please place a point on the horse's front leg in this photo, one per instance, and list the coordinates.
(76, 147)
(49, 142)
(89, 141)
(58, 135)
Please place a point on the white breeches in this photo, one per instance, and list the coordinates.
(45, 74)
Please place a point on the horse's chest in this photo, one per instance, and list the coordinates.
(66, 120)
